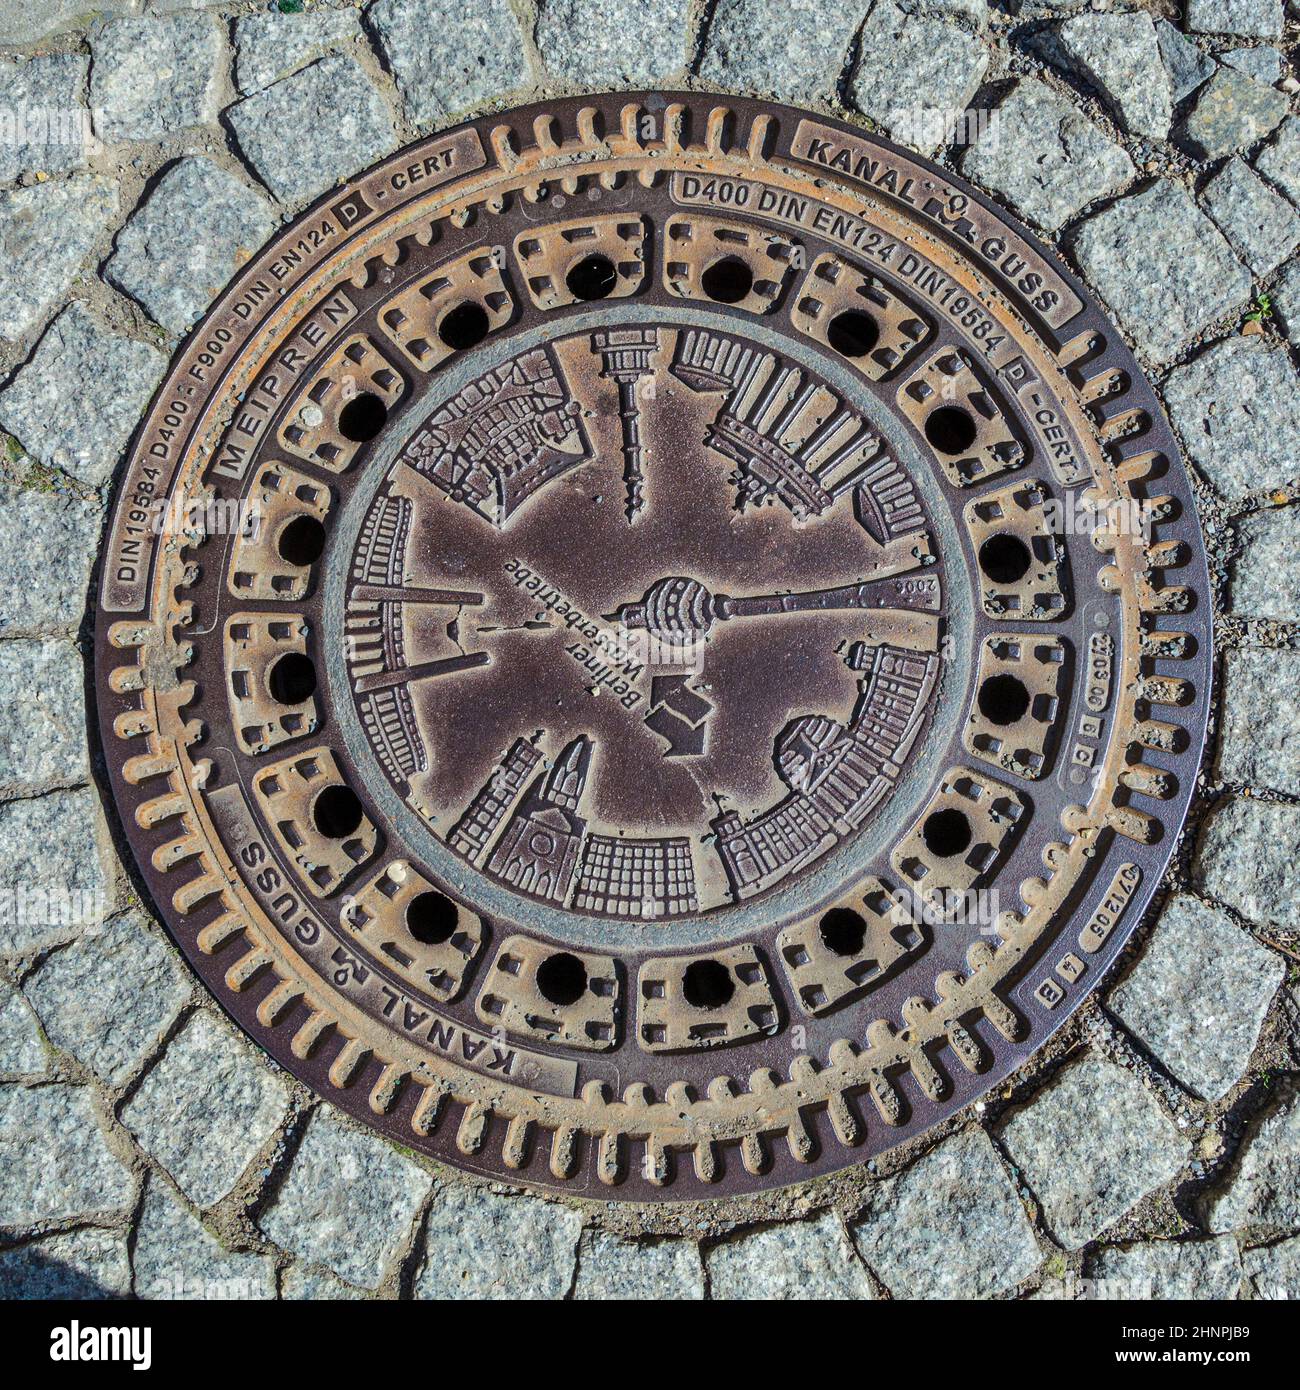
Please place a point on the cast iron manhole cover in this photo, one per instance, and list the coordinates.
(653, 646)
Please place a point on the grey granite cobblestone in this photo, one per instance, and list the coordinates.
(1237, 408)
(1119, 55)
(1090, 1144)
(1198, 996)
(206, 1107)
(1259, 19)
(108, 997)
(348, 1201)
(54, 1163)
(1165, 1269)
(43, 733)
(1264, 578)
(43, 115)
(478, 1245)
(21, 1052)
(1167, 299)
(975, 12)
(47, 546)
(1263, 64)
(1186, 66)
(1284, 300)
(613, 1269)
(50, 861)
(915, 74)
(447, 55)
(1279, 160)
(308, 132)
(794, 50)
(1260, 225)
(1229, 113)
(803, 1261)
(75, 404)
(26, 21)
(301, 1281)
(1074, 164)
(950, 1226)
(185, 242)
(1249, 858)
(1262, 1187)
(47, 233)
(273, 45)
(1259, 740)
(1273, 1271)
(586, 41)
(176, 1257)
(86, 1264)
(152, 76)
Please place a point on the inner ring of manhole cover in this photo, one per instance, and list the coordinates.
(675, 651)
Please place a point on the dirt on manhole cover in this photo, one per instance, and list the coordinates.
(653, 647)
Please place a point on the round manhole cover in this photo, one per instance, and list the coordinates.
(653, 646)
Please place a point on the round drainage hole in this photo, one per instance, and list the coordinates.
(950, 429)
(337, 812)
(843, 931)
(594, 277)
(464, 326)
(946, 833)
(1005, 559)
(431, 918)
(1003, 700)
(292, 679)
(562, 979)
(852, 333)
(362, 418)
(727, 281)
(302, 541)
(707, 984)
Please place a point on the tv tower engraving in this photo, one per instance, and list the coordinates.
(626, 355)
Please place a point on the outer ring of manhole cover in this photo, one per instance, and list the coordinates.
(710, 661)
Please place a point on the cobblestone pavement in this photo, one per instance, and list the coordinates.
(143, 1147)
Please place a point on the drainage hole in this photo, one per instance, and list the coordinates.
(950, 429)
(431, 918)
(292, 679)
(707, 984)
(594, 277)
(337, 812)
(843, 931)
(302, 540)
(727, 281)
(946, 833)
(852, 333)
(465, 326)
(1003, 700)
(1005, 559)
(362, 418)
(562, 979)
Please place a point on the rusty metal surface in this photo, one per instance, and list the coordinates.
(623, 697)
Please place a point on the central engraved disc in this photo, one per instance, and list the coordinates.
(644, 620)
(653, 646)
